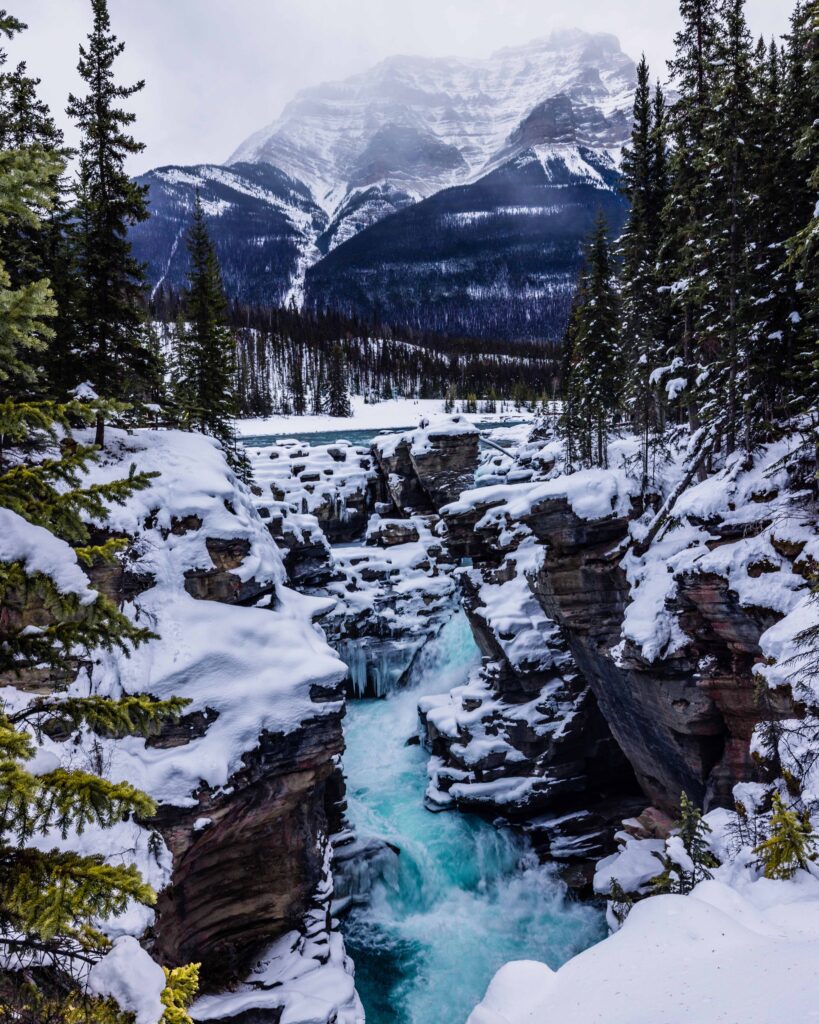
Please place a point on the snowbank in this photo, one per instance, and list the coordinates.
(254, 667)
(128, 974)
(722, 955)
(41, 552)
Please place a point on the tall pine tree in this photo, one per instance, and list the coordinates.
(338, 397)
(594, 386)
(206, 346)
(50, 900)
(644, 183)
(683, 255)
(114, 352)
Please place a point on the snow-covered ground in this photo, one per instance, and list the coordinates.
(393, 414)
(726, 954)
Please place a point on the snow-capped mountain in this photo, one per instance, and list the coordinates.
(264, 225)
(423, 123)
(534, 130)
(497, 258)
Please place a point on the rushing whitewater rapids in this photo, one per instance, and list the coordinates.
(462, 897)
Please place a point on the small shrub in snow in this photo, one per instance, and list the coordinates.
(620, 901)
(790, 845)
(688, 858)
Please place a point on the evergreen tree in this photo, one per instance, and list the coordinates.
(180, 990)
(723, 290)
(206, 347)
(644, 182)
(50, 899)
(790, 845)
(684, 257)
(694, 832)
(114, 353)
(31, 253)
(318, 381)
(803, 75)
(620, 902)
(594, 386)
(688, 858)
(338, 398)
(297, 395)
(52, 618)
(28, 172)
(773, 300)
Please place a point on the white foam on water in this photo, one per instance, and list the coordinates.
(462, 897)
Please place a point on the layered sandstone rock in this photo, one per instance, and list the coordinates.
(247, 861)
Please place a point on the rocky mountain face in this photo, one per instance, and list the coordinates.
(263, 223)
(495, 259)
(418, 188)
(422, 124)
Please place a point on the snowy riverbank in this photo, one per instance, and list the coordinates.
(393, 414)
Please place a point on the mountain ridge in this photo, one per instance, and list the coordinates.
(344, 156)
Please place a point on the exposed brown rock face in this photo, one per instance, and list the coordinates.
(670, 730)
(530, 741)
(403, 485)
(388, 532)
(447, 466)
(220, 583)
(429, 476)
(684, 722)
(248, 875)
(726, 637)
(247, 872)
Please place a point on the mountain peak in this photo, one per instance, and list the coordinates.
(463, 113)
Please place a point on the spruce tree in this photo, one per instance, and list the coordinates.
(684, 257)
(790, 845)
(772, 319)
(688, 858)
(594, 386)
(114, 353)
(644, 182)
(52, 620)
(723, 290)
(206, 347)
(338, 399)
(804, 243)
(31, 253)
(297, 396)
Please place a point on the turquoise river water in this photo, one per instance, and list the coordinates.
(463, 897)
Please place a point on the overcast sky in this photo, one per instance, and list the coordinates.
(217, 70)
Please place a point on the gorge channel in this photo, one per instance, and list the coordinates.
(462, 896)
(431, 904)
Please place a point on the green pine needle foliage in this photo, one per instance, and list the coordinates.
(182, 984)
(790, 845)
(50, 899)
(693, 830)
